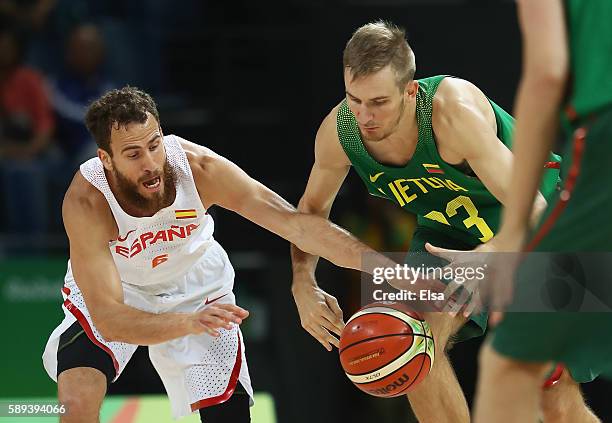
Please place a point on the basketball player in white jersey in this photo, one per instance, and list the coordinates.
(144, 267)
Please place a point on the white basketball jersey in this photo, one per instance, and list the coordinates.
(153, 253)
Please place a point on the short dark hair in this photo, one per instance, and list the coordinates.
(118, 108)
(377, 44)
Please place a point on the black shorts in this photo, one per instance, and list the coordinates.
(76, 350)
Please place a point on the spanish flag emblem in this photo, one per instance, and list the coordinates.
(432, 168)
(185, 214)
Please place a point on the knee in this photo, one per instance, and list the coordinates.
(77, 407)
(81, 400)
(564, 402)
(443, 327)
(493, 364)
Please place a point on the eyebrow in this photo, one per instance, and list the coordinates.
(136, 147)
(382, 97)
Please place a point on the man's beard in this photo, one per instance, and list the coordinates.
(130, 190)
(390, 131)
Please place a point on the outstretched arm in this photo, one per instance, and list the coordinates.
(221, 182)
(307, 228)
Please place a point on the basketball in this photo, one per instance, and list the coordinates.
(386, 350)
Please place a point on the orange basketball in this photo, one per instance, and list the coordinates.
(386, 349)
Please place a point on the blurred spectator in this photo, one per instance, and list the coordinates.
(26, 125)
(27, 15)
(26, 119)
(81, 81)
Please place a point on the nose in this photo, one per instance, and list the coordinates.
(363, 114)
(148, 163)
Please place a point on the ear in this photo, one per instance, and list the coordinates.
(411, 89)
(105, 158)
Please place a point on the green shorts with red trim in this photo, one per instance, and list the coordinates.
(579, 219)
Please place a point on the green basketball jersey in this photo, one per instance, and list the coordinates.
(590, 43)
(443, 197)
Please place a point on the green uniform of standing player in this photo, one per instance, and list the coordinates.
(568, 49)
(454, 208)
(438, 147)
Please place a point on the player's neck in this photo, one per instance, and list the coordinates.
(398, 147)
(408, 128)
(406, 131)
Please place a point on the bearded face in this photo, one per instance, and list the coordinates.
(138, 169)
(152, 191)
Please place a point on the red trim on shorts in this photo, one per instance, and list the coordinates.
(554, 378)
(231, 386)
(66, 290)
(570, 113)
(552, 165)
(85, 325)
(579, 138)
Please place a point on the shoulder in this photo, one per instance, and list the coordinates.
(85, 205)
(81, 193)
(327, 143)
(457, 99)
(211, 171)
(202, 160)
(329, 124)
(454, 94)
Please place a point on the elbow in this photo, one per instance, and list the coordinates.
(104, 325)
(551, 75)
(554, 78)
(106, 331)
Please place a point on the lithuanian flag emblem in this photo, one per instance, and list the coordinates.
(432, 168)
(185, 214)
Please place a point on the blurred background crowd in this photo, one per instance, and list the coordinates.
(252, 81)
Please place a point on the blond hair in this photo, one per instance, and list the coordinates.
(374, 46)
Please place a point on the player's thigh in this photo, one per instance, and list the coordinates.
(494, 366)
(84, 373)
(562, 397)
(444, 327)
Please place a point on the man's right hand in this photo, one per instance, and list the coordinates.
(319, 312)
(216, 316)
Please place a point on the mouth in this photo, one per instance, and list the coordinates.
(370, 128)
(153, 184)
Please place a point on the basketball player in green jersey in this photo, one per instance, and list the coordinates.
(561, 38)
(439, 148)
